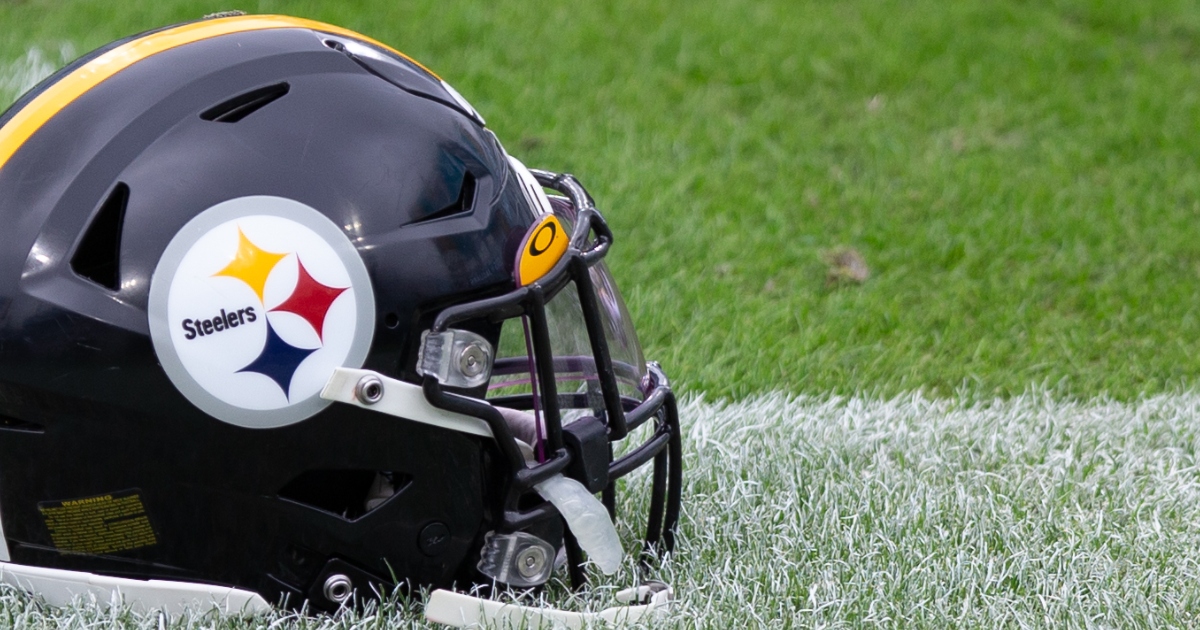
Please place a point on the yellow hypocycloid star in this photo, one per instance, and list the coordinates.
(252, 264)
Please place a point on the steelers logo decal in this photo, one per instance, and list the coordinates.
(252, 306)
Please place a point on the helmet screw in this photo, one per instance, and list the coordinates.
(472, 361)
(531, 561)
(369, 389)
(338, 588)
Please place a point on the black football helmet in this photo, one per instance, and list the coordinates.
(281, 321)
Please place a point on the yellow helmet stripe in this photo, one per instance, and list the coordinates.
(51, 101)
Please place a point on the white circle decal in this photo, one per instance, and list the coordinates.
(252, 306)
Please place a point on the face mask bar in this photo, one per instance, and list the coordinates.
(590, 241)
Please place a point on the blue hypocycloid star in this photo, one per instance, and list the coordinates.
(278, 360)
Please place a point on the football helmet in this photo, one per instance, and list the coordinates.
(281, 321)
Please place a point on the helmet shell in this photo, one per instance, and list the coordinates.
(90, 201)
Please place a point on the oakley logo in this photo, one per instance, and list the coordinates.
(309, 309)
(543, 246)
(543, 239)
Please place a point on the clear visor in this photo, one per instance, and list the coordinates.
(576, 374)
(575, 367)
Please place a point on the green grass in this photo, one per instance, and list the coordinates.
(1019, 176)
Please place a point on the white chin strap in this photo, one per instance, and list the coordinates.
(59, 587)
(461, 611)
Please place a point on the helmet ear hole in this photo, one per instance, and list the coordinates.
(9, 423)
(97, 257)
(348, 494)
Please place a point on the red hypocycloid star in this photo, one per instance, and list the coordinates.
(310, 300)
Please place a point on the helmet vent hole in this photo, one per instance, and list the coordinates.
(98, 256)
(462, 205)
(348, 494)
(9, 423)
(391, 320)
(242, 105)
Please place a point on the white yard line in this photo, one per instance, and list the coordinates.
(1027, 512)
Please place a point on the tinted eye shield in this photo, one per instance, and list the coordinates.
(577, 449)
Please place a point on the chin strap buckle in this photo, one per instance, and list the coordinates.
(460, 610)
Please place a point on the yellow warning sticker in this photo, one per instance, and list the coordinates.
(97, 525)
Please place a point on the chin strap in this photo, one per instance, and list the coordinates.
(460, 610)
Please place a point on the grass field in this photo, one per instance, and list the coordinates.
(906, 513)
(994, 428)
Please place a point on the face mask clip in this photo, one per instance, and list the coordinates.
(456, 358)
